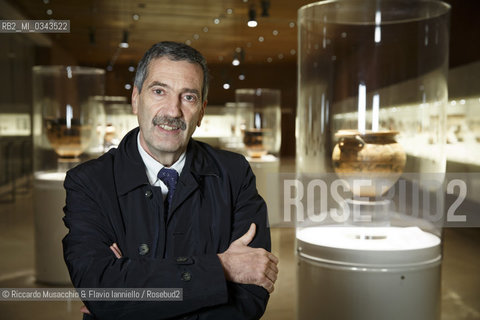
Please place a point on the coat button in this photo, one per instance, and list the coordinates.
(148, 194)
(143, 249)
(182, 259)
(186, 276)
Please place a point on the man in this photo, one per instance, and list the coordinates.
(206, 233)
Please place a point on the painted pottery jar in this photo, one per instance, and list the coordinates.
(370, 162)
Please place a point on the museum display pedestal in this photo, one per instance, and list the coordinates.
(49, 200)
(368, 273)
(266, 170)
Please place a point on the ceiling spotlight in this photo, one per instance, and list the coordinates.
(265, 7)
(124, 43)
(226, 86)
(238, 56)
(135, 17)
(252, 17)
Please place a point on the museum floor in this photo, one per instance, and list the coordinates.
(460, 270)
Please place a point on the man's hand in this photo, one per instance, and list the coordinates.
(243, 264)
(116, 250)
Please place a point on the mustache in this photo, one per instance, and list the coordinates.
(173, 122)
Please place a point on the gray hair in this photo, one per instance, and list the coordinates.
(174, 51)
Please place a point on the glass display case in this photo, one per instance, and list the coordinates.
(235, 117)
(262, 133)
(66, 110)
(217, 127)
(371, 157)
(119, 120)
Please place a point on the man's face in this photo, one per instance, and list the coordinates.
(169, 106)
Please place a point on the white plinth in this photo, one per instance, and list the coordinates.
(369, 273)
(49, 199)
(266, 171)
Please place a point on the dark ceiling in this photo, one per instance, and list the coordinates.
(216, 28)
(97, 27)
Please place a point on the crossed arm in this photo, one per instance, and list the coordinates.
(93, 221)
(241, 263)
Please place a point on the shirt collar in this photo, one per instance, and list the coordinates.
(152, 166)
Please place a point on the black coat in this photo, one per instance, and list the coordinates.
(109, 200)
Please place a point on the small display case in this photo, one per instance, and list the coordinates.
(262, 132)
(65, 112)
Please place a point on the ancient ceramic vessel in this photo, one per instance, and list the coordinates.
(370, 162)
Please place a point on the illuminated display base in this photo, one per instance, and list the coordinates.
(368, 273)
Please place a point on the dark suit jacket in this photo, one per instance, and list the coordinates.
(109, 200)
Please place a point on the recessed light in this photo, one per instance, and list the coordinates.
(135, 17)
(49, 12)
(216, 21)
(261, 39)
(205, 29)
(229, 11)
(269, 59)
(196, 36)
(291, 24)
(275, 32)
(128, 86)
(292, 52)
(188, 42)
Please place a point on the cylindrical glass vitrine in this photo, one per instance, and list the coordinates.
(119, 121)
(66, 111)
(262, 133)
(370, 155)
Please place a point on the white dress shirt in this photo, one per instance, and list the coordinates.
(152, 167)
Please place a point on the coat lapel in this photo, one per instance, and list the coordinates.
(198, 163)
